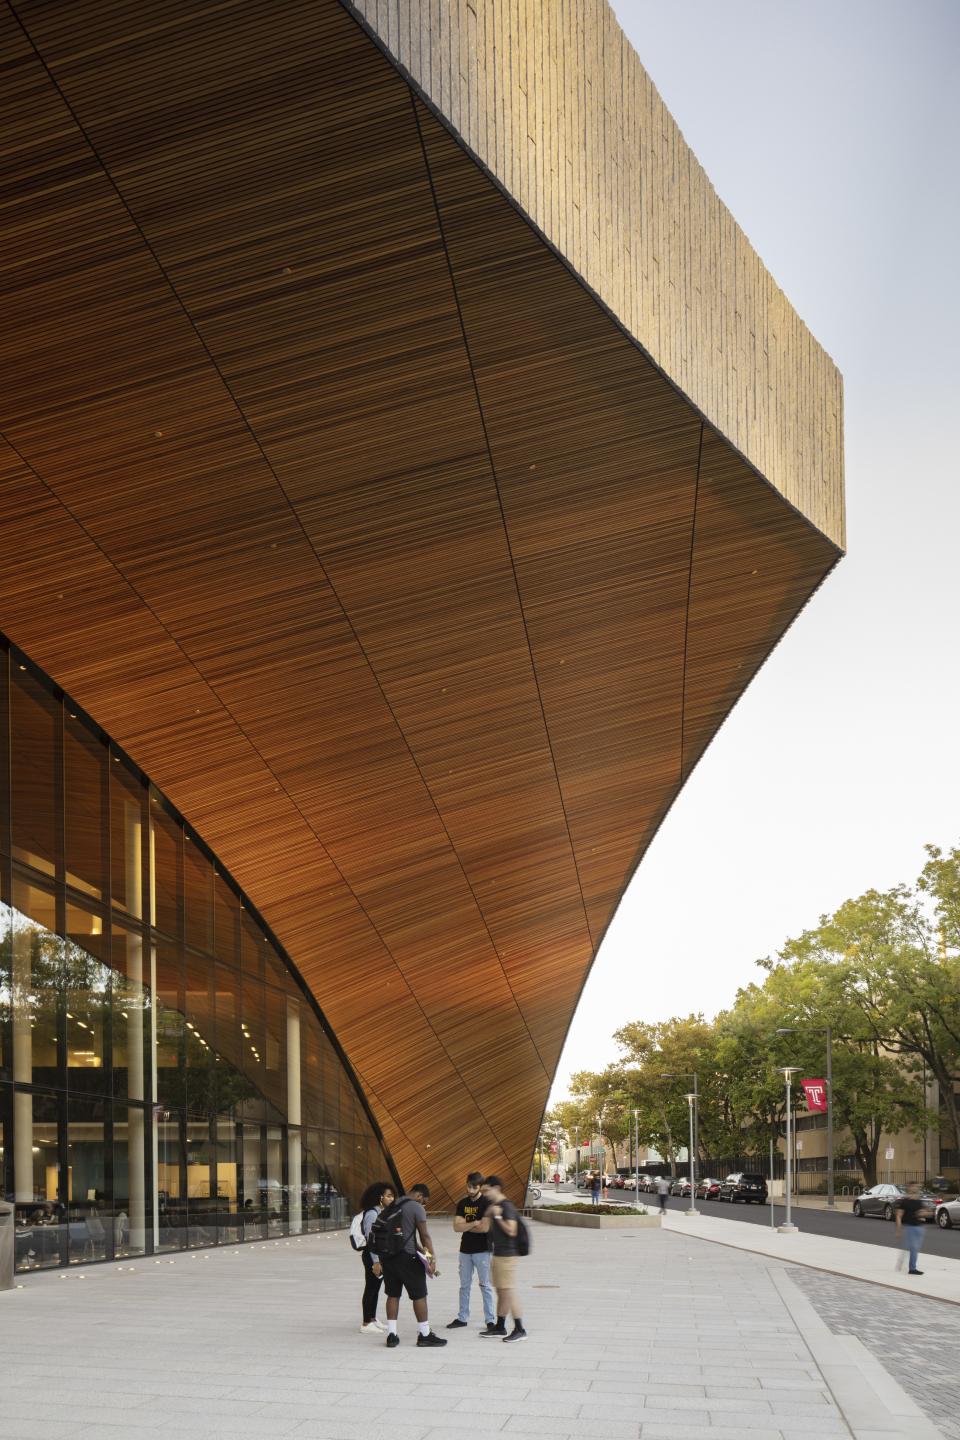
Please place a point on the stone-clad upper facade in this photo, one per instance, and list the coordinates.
(553, 101)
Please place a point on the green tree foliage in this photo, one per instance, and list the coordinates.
(883, 972)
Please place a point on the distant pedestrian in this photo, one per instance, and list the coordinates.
(911, 1210)
(595, 1184)
(393, 1238)
(556, 1181)
(474, 1254)
(663, 1190)
(503, 1223)
(374, 1199)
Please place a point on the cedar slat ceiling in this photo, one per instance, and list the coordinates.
(343, 507)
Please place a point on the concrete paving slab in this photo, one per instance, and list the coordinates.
(670, 1337)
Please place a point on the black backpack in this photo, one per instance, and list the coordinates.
(523, 1237)
(386, 1232)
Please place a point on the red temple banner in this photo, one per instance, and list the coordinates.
(816, 1093)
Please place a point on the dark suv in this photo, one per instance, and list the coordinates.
(745, 1186)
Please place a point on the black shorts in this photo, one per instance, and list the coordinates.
(404, 1272)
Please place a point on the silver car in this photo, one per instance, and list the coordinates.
(882, 1200)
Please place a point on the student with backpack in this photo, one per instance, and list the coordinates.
(393, 1238)
(374, 1199)
(508, 1241)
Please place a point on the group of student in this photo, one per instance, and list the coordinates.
(398, 1254)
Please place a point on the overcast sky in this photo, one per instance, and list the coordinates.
(832, 132)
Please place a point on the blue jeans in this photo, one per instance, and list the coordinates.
(913, 1235)
(480, 1264)
(594, 1197)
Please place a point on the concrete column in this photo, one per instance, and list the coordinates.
(294, 1117)
(22, 1064)
(136, 1129)
(154, 1132)
(133, 857)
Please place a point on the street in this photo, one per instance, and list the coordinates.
(843, 1224)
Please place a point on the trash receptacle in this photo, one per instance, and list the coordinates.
(7, 1243)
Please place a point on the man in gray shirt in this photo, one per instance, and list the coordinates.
(403, 1268)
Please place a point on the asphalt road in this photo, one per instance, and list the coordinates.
(843, 1224)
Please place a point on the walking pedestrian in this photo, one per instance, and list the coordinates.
(663, 1190)
(502, 1222)
(393, 1238)
(374, 1199)
(911, 1211)
(474, 1254)
(595, 1188)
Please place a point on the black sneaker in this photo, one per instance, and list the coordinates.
(914, 1272)
(392, 1339)
(493, 1330)
(517, 1333)
(429, 1340)
(457, 1325)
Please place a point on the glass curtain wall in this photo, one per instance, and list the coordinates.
(164, 1082)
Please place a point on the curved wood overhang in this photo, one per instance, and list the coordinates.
(335, 498)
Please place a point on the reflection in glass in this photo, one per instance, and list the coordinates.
(36, 961)
(87, 993)
(126, 841)
(197, 896)
(34, 727)
(164, 870)
(84, 784)
(129, 1193)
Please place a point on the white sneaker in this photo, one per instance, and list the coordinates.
(372, 1327)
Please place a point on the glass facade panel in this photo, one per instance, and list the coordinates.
(84, 808)
(127, 798)
(34, 736)
(165, 1083)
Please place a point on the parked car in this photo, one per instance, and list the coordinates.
(746, 1185)
(680, 1186)
(708, 1188)
(948, 1213)
(616, 1182)
(882, 1200)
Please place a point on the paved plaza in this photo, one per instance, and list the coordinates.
(640, 1334)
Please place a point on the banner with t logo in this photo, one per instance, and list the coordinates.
(816, 1093)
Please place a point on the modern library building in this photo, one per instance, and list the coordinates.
(406, 462)
(165, 1081)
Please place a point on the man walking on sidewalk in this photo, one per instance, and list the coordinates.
(474, 1254)
(663, 1190)
(911, 1213)
(502, 1222)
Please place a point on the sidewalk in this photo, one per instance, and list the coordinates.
(634, 1335)
(940, 1279)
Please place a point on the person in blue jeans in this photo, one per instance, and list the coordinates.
(912, 1211)
(474, 1254)
(595, 1187)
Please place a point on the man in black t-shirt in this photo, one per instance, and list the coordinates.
(474, 1254)
(502, 1221)
(911, 1211)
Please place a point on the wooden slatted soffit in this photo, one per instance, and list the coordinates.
(332, 494)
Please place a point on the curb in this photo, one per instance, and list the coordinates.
(871, 1402)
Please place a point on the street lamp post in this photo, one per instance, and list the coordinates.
(576, 1160)
(828, 1032)
(636, 1158)
(788, 1072)
(693, 1103)
(691, 1099)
